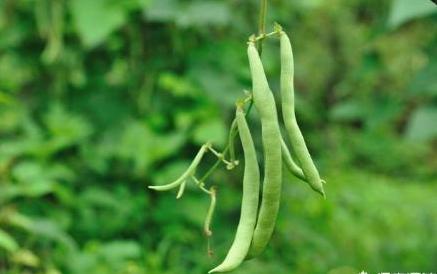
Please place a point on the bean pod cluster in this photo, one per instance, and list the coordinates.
(259, 210)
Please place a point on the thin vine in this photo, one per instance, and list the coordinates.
(232, 131)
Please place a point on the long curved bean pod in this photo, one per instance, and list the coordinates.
(289, 162)
(191, 169)
(249, 205)
(264, 102)
(295, 135)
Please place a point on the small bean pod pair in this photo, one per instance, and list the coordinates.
(249, 205)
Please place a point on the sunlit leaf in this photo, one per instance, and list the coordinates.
(210, 131)
(425, 82)
(120, 250)
(162, 10)
(195, 13)
(95, 20)
(7, 242)
(65, 129)
(421, 126)
(203, 13)
(26, 257)
(178, 86)
(143, 146)
(348, 111)
(405, 10)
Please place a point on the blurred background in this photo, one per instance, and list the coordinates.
(99, 99)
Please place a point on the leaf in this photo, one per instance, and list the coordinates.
(405, 10)
(14, 72)
(176, 85)
(144, 147)
(43, 227)
(32, 179)
(425, 82)
(421, 126)
(6, 99)
(7, 242)
(348, 111)
(26, 257)
(8, 192)
(210, 131)
(195, 13)
(99, 198)
(35, 180)
(49, 229)
(119, 250)
(201, 13)
(96, 19)
(65, 129)
(162, 10)
(217, 84)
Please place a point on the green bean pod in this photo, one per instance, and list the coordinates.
(264, 103)
(190, 171)
(249, 205)
(289, 163)
(288, 112)
(207, 224)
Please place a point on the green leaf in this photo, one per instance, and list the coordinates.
(421, 126)
(119, 250)
(44, 228)
(348, 111)
(32, 179)
(7, 242)
(96, 19)
(66, 129)
(425, 82)
(36, 180)
(201, 13)
(162, 10)
(176, 85)
(210, 131)
(195, 13)
(144, 147)
(26, 257)
(405, 10)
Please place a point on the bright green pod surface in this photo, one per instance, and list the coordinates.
(288, 112)
(249, 205)
(289, 162)
(264, 103)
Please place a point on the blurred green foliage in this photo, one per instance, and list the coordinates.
(100, 98)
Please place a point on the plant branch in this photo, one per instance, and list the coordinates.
(262, 23)
(233, 130)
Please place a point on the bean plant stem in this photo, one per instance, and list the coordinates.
(232, 131)
(262, 22)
